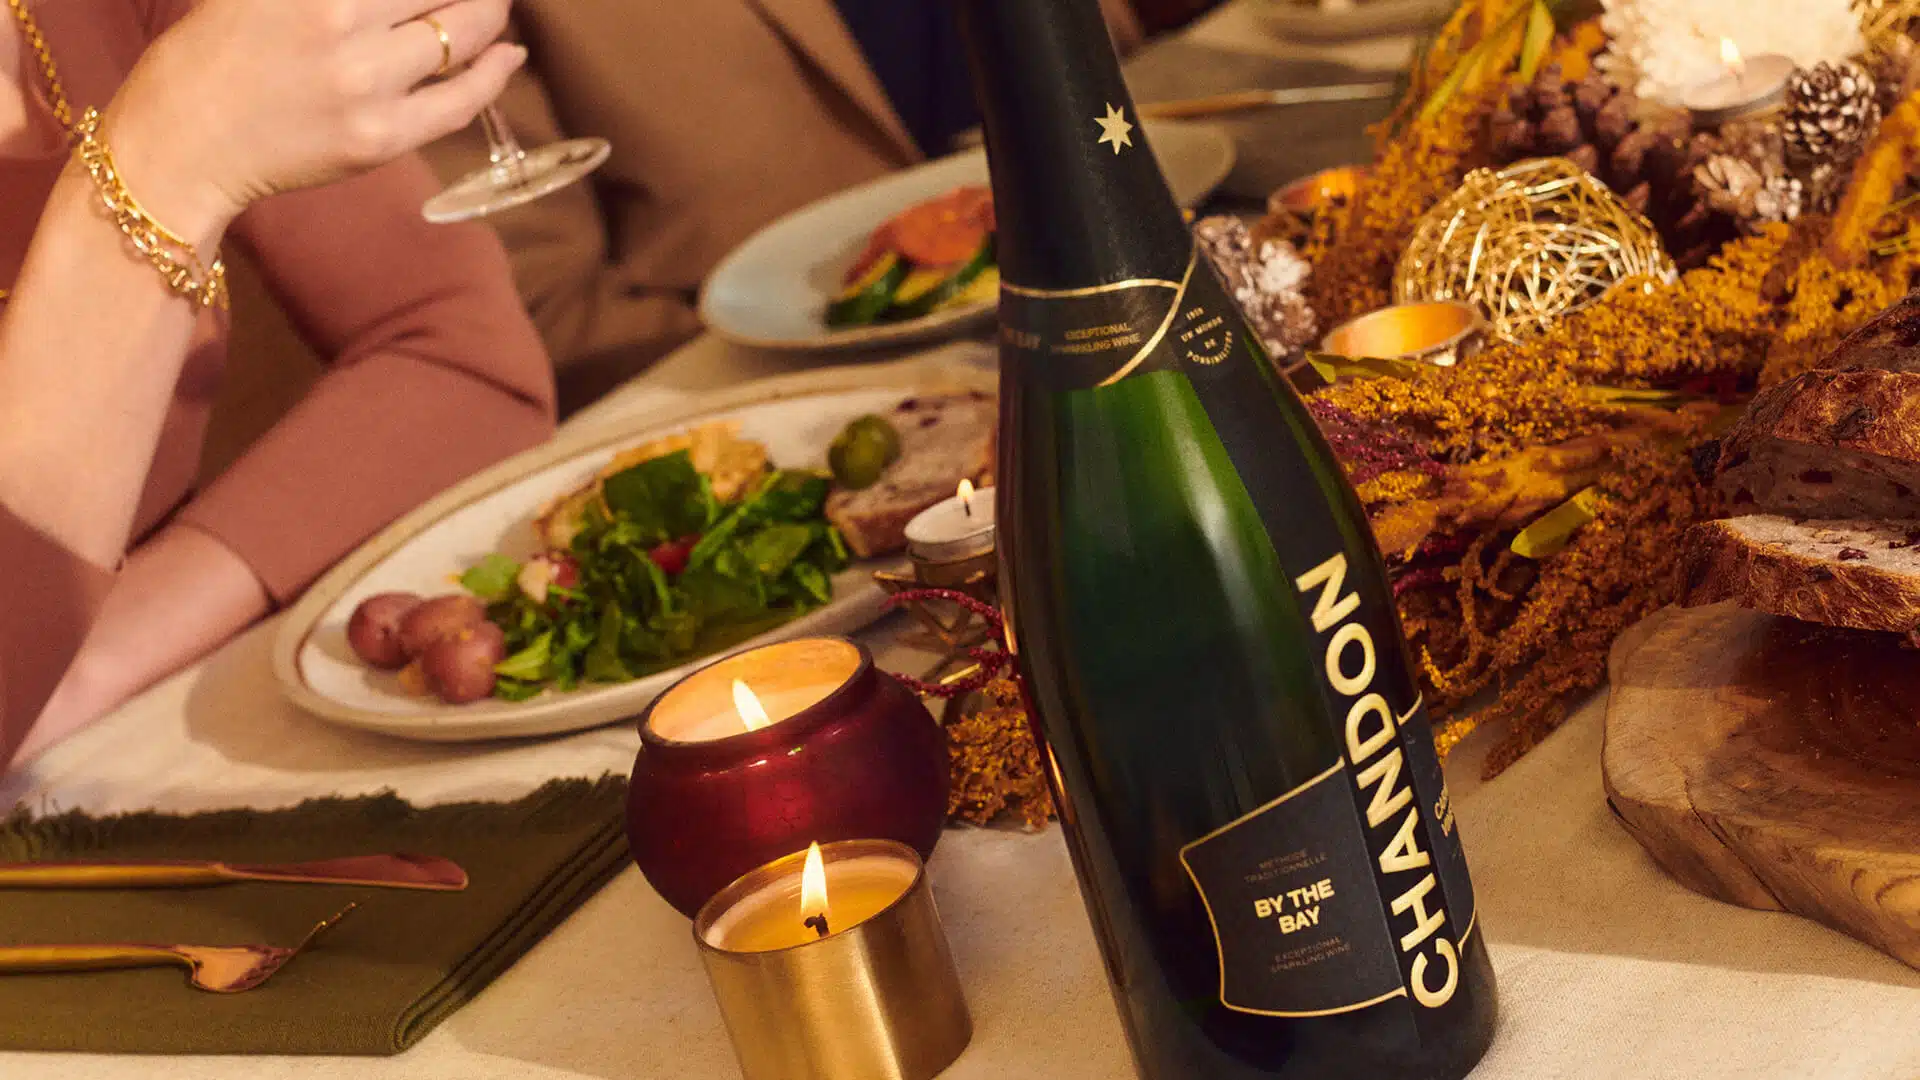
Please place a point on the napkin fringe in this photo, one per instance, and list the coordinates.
(557, 803)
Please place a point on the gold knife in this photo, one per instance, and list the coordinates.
(1237, 101)
(1242, 100)
(376, 871)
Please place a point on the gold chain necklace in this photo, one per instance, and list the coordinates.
(49, 73)
(182, 272)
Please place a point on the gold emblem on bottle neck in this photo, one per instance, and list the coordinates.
(1114, 128)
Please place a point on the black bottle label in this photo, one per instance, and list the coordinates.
(1081, 338)
(1289, 891)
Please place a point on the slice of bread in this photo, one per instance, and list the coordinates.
(1828, 444)
(1859, 573)
(944, 439)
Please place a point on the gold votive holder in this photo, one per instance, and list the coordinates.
(950, 546)
(1317, 191)
(874, 997)
(972, 574)
(1438, 332)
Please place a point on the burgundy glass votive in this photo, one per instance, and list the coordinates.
(848, 754)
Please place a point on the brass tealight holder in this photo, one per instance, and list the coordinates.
(1316, 191)
(1438, 332)
(951, 546)
(862, 989)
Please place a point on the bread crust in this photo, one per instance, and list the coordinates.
(1723, 565)
(1865, 412)
(1889, 341)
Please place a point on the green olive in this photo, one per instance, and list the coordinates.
(862, 452)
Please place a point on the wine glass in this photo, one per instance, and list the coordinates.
(513, 175)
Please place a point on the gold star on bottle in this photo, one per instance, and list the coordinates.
(1114, 128)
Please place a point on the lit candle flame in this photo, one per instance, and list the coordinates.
(753, 715)
(1730, 56)
(966, 496)
(814, 909)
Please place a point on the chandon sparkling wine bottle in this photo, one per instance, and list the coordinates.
(1245, 768)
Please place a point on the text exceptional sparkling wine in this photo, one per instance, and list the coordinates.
(1252, 798)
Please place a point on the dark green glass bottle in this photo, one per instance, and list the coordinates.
(1245, 768)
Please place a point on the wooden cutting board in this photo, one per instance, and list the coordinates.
(1774, 764)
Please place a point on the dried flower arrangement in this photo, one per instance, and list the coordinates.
(1530, 500)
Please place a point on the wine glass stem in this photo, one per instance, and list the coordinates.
(503, 150)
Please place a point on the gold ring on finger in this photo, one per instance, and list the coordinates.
(446, 45)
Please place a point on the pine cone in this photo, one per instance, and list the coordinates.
(1729, 184)
(1266, 277)
(1743, 191)
(1895, 67)
(1832, 110)
(1782, 199)
(1648, 160)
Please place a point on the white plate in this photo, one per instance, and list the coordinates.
(795, 416)
(773, 290)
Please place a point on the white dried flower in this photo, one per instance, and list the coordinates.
(1661, 48)
(1278, 268)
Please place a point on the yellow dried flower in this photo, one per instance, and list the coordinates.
(996, 763)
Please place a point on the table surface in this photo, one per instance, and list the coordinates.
(1607, 968)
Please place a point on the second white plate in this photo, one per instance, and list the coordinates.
(773, 290)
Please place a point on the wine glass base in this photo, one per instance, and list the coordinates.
(542, 171)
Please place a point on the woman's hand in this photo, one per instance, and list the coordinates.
(242, 99)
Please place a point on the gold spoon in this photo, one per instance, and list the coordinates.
(221, 969)
(398, 871)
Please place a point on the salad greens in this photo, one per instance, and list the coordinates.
(663, 573)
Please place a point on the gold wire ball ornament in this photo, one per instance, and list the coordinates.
(1528, 245)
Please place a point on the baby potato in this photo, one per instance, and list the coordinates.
(440, 617)
(460, 668)
(374, 629)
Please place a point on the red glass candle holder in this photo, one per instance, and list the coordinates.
(849, 754)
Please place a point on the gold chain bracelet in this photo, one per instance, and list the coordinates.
(176, 260)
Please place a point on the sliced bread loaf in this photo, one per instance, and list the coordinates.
(1829, 444)
(1859, 573)
(944, 439)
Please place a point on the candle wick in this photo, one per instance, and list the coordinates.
(818, 923)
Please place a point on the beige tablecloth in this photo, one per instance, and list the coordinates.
(1607, 968)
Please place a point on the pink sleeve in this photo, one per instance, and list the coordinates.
(436, 372)
(52, 598)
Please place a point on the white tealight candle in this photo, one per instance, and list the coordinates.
(954, 529)
(780, 913)
(1750, 85)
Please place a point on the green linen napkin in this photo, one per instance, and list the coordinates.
(375, 984)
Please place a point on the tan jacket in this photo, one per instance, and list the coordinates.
(723, 115)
